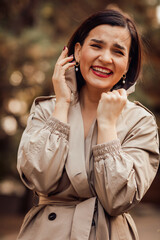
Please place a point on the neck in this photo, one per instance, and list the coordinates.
(89, 98)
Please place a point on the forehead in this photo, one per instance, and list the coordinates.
(110, 34)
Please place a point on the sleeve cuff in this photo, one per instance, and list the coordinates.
(101, 151)
(57, 127)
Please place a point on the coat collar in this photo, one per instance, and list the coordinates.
(76, 162)
(72, 84)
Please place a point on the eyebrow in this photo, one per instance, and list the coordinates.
(97, 41)
(103, 42)
(119, 46)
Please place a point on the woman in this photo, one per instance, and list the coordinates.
(90, 154)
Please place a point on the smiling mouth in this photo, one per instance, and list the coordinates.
(102, 72)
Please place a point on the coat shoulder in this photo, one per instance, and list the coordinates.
(45, 103)
(138, 109)
(136, 113)
(143, 107)
(42, 99)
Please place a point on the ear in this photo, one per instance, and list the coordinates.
(77, 51)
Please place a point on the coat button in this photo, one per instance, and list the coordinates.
(52, 216)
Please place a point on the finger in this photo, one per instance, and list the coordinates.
(112, 94)
(122, 92)
(116, 93)
(108, 93)
(61, 69)
(109, 96)
(65, 60)
(63, 54)
(68, 65)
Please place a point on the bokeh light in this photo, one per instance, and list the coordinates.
(16, 78)
(9, 125)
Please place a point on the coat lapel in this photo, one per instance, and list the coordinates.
(76, 164)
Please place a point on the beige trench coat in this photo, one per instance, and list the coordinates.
(85, 189)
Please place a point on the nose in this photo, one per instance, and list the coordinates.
(106, 57)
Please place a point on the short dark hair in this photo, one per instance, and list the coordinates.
(114, 18)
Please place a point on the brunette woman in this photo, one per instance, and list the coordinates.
(88, 152)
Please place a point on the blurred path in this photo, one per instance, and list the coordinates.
(146, 216)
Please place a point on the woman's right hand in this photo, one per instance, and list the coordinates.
(62, 91)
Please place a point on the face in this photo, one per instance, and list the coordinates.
(104, 56)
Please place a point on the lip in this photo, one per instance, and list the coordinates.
(101, 74)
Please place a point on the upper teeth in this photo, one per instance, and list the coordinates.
(101, 70)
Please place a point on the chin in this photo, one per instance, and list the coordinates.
(101, 85)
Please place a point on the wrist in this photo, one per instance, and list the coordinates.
(106, 132)
(61, 111)
(106, 124)
(106, 128)
(62, 104)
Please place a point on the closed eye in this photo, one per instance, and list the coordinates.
(119, 52)
(96, 46)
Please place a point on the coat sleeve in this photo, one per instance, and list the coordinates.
(43, 150)
(123, 173)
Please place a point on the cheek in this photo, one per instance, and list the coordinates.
(87, 55)
(83, 58)
(122, 65)
(85, 61)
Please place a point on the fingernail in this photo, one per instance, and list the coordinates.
(71, 55)
(64, 48)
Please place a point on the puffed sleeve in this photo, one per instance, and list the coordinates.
(43, 149)
(124, 172)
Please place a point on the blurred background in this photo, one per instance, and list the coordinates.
(32, 35)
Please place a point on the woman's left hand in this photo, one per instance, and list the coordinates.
(110, 106)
